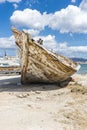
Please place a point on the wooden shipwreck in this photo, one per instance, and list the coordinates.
(39, 64)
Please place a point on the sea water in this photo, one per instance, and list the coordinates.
(83, 69)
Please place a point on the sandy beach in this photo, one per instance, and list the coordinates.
(43, 106)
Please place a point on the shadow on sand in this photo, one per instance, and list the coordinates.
(13, 84)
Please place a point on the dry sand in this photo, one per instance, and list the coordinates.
(43, 106)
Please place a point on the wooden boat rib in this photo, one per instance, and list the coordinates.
(39, 64)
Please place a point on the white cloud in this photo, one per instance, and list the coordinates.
(30, 18)
(49, 42)
(32, 32)
(15, 6)
(11, 1)
(7, 42)
(15, 2)
(71, 19)
(83, 5)
(71, 49)
(63, 48)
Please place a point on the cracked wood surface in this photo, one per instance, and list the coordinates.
(39, 64)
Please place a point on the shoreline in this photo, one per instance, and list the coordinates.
(82, 62)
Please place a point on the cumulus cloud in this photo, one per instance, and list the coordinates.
(72, 51)
(71, 19)
(15, 2)
(7, 42)
(83, 5)
(62, 48)
(32, 32)
(49, 42)
(30, 18)
(11, 1)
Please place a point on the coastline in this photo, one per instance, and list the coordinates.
(82, 62)
(43, 106)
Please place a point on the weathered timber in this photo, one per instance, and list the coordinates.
(39, 64)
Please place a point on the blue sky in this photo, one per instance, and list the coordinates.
(62, 24)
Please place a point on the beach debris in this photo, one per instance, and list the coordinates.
(39, 64)
(37, 92)
(39, 98)
(40, 41)
(79, 89)
(30, 106)
(24, 95)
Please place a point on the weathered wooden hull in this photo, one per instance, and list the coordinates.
(39, 64)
